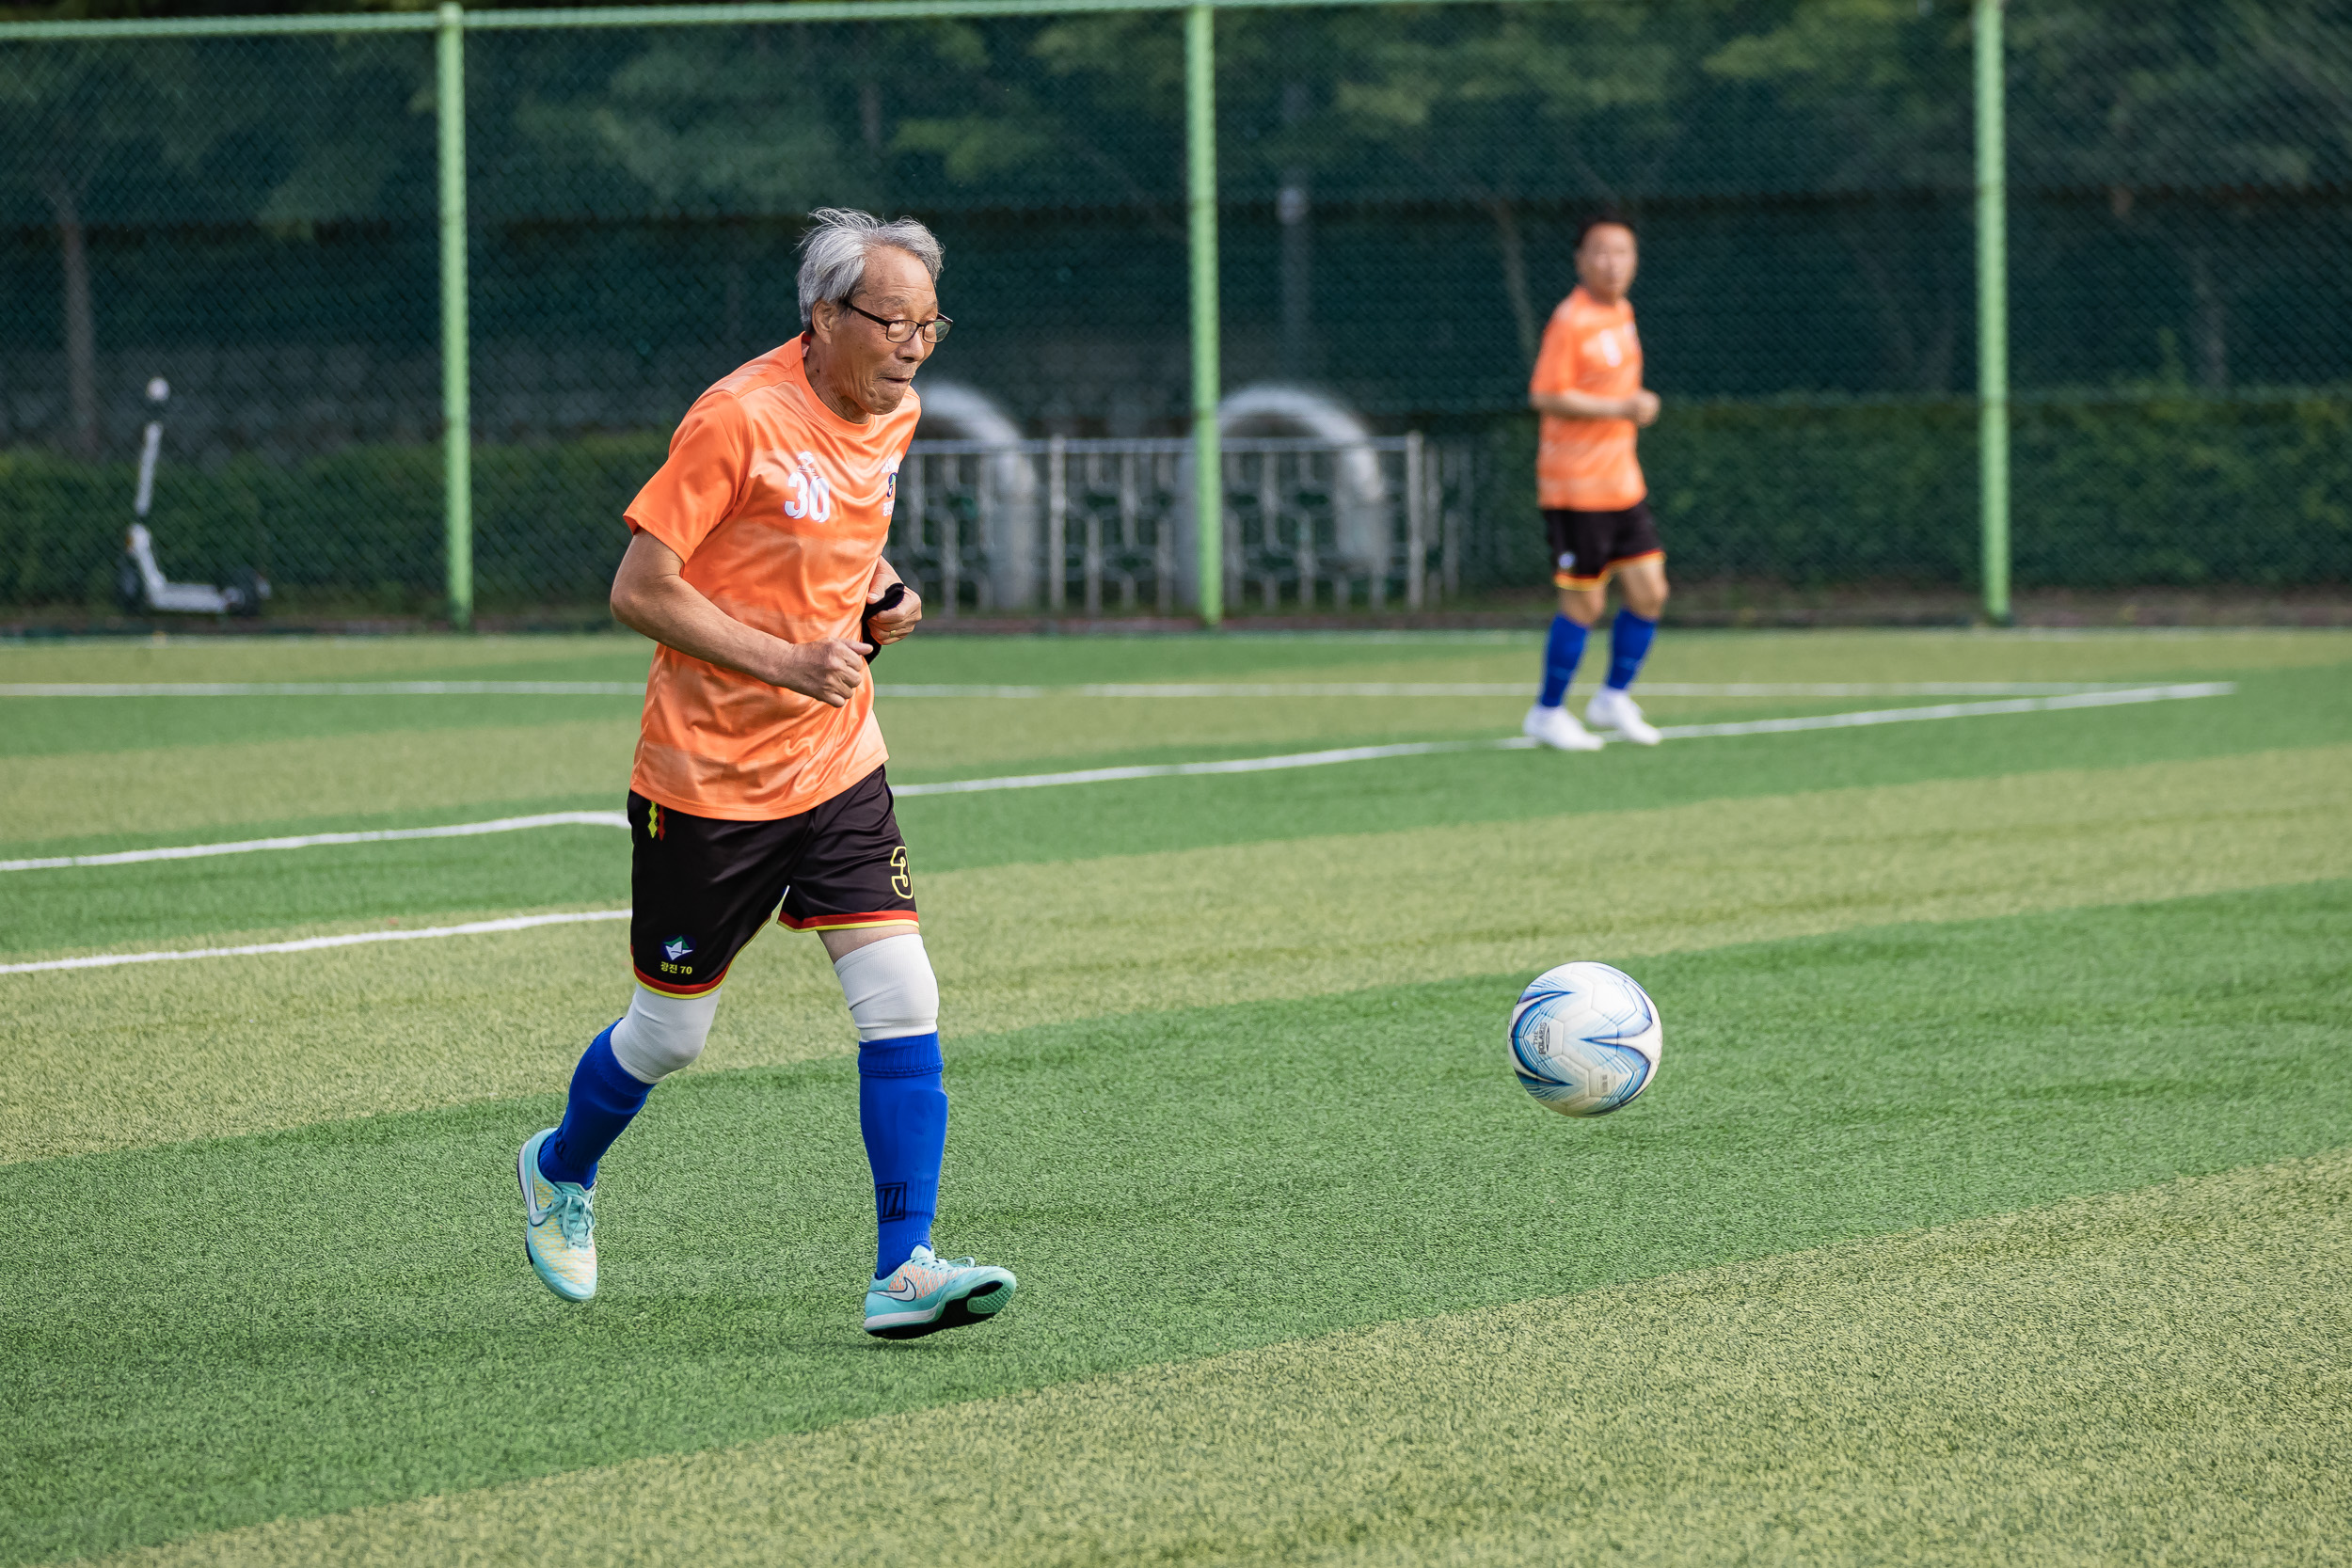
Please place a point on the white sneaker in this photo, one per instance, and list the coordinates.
(1557, 727)
(559, 1227)
(1612, 709)
(927, 1293)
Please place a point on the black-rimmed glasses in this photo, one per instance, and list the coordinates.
(899, 331)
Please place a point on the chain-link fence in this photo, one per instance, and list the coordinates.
(253, 220)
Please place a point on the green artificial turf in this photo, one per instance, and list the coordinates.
(210, 1333)
(142, 1054)
(2150, 1375)
(108, 907)
(46, 726)
(2286, 709)
(59, 726)
(938, 652)
(215, 1334)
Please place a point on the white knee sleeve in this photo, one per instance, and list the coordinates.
(663, 1033)
(890, 989)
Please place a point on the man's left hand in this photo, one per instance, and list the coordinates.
(894, 623)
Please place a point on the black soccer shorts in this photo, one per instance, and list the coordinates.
(1587, 546)
(702, 886)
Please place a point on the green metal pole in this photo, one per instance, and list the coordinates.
(1208, 463)
(1993, 311)
(456, 411)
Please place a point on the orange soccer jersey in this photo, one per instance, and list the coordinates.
(1588, 464)
(780, 509)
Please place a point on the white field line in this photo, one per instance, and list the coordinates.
(1519, 689)
(312, 944)
(1192, 688)
(306, 841)
(2111, 697)
(1516, 743)
(1185, 769)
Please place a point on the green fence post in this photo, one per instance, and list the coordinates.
(456, 411)
(1208, 463)
(1991, 311)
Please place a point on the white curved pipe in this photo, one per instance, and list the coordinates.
(1009, 486)
(1361, 500)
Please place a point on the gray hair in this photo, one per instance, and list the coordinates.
(833, 253)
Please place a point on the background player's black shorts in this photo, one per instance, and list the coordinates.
(1587, 546)
(702, 886)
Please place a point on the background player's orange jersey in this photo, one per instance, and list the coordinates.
(1588, 464)
(780, 509)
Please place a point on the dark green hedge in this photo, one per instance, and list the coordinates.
(2174, 489)
(2177, 489)
(2183, 491)
(361, 527)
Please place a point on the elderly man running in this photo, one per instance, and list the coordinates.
(755, 562)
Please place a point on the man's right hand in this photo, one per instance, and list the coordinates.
(650, 595)
(1641, 408)
(831, 670)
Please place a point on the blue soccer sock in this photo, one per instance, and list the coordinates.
(1629, 644)
(902, 1110)
(1562, 651)
(605, 1096)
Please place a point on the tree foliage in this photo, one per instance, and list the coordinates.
(2171, 115)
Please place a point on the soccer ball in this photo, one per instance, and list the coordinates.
(1584, 1038)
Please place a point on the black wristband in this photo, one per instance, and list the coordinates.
(890, 600)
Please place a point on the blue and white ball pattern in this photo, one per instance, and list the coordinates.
(1584, 1038)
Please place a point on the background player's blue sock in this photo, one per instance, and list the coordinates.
(1562, 651)
(1629, 644)
(605, 1094)
(902, 1110)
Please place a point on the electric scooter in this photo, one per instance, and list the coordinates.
(140, 585)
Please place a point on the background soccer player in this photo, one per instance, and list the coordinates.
(1588, 387)
(755, 562)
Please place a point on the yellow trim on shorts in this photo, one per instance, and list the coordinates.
(1564, 579)
(850, 921)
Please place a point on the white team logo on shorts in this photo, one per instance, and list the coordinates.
(1567, 559)
(815, 498)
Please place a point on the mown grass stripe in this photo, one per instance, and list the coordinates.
(261, 1364)
(170, 790)
(1520, 743)
(2152, 1375)
(183, 905)
(1113, 689)
(936, 655)
(159, 1051)
(1105, 775)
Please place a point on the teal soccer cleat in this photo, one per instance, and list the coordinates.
(925, 1294)
(559, 1227)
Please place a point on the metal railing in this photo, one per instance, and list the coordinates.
(1092, 527)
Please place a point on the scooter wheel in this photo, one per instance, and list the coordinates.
(244, 591)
